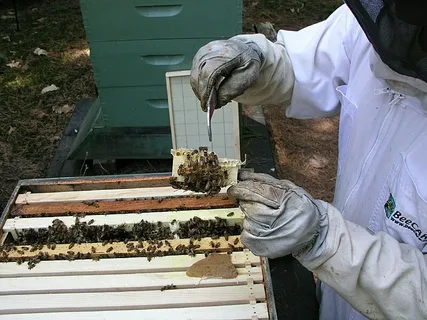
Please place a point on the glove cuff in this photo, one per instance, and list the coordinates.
(317, 246)
(251, 43)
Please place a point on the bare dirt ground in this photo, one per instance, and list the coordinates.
(305, 151)
(32, 122)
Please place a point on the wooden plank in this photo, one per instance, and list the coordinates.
(102, 207)
(119, 249)
(123, 282)
(236, 129)
(228, 295)
(111, 194)
(170, 105)
(165, 217)
(95, 183)
(232, 312)
(181, 73)
(117, 266)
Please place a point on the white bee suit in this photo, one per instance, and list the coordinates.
(373, 254)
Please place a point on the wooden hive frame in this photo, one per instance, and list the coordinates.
(123, 283)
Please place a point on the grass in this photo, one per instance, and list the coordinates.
(31, 129)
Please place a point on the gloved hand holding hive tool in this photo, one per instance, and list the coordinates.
(367, 62)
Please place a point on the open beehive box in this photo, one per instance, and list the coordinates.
(120, 247)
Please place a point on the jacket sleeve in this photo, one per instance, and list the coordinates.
(303, 67)
(375, 274)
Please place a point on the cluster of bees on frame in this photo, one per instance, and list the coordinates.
(201, 171)
(143, 239)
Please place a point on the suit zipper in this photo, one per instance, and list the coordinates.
(396, 98)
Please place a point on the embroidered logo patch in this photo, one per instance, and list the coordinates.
(399, 219)
(390, 206)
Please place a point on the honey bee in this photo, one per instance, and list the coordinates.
(180, 169)
(216, 160)
(109, 249)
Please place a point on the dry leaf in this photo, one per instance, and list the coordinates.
(318, 161)
(13, 64)
(11, 129)
(7, 38)
(50, 88)
(64, 109)
(41, 19)
(40, 52)
(38, 113)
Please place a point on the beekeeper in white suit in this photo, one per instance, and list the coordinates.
(368, 61)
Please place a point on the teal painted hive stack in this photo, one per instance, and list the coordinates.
(133, 43)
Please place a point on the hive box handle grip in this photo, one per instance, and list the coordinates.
(159, 11)
(158, 103)
(163, 60)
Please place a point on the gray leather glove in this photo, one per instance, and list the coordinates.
(280, 218)
(231, 66)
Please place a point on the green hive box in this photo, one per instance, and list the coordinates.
(133, 43)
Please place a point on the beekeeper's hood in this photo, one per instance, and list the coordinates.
(397, 29)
